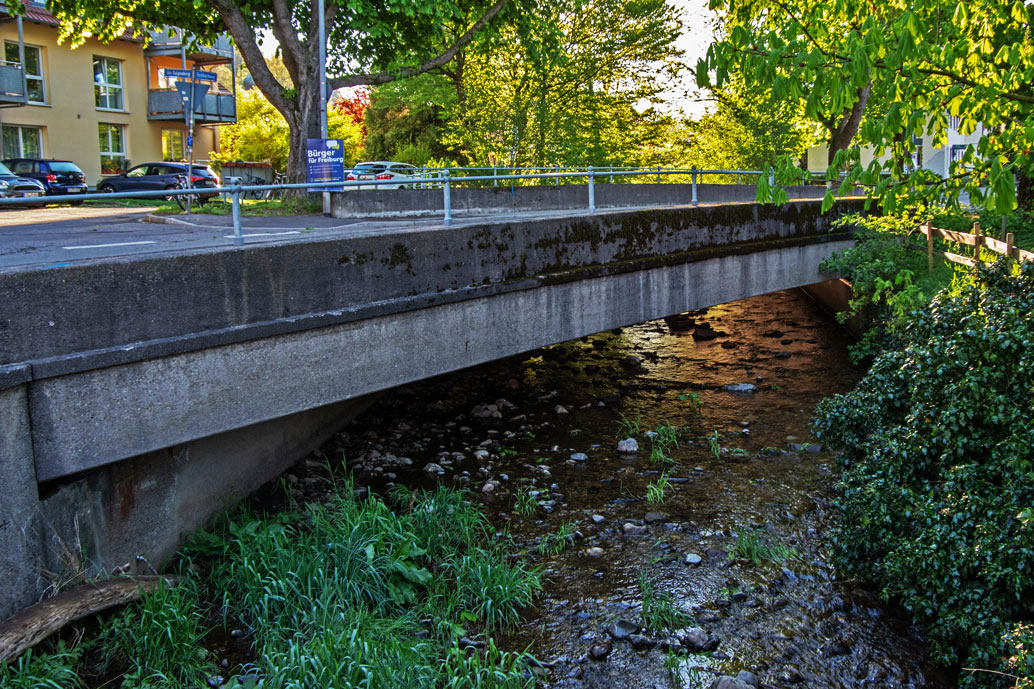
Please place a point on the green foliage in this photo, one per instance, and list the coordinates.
(886, 74)
(759, 548)
(35, 670)
(557, 542)
(630, 428)
(659, 611)
(524, 501)
(656, 490)
(158, 640)
(692, 400)
(888, 280)
(938, 481)
(714, 443)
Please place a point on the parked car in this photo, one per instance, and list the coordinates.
(157, 176)
(407, 176)
(58, 177)
(14, 187)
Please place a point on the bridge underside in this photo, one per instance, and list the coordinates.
(123, 431)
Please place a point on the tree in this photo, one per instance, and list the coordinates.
(925, 61)
(370, 42)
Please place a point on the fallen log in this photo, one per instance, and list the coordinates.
(26, 628)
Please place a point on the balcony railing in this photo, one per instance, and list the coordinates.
(169, 40)
(12, 83)
(166, 104)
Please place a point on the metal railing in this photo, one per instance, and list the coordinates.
(444, 179)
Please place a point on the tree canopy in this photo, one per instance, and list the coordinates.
(369, 41)
(923, 60)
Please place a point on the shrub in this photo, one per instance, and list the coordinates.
(937, 488)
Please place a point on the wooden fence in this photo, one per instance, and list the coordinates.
(977, 240)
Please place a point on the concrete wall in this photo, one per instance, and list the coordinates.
(158, 388)
(70, 117)
(364, 203)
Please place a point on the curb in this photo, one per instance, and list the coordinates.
(165, 220)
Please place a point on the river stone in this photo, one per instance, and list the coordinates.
(654, 517)
(696, 639)
(600, 651)
(560, 409)
(730, 683)
(747, 677)
(598, 519)
(692, 559)
(489, 487)
(634, 529)
(622, 629)
(628, 446)
(594, 552)
(641, 642)
(580, 457)
(433, 469)
(742, 387)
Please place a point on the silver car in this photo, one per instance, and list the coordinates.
(390, 175)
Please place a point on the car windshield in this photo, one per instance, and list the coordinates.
(4, 170)
(64, 167)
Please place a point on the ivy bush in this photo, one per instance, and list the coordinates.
(937, 488)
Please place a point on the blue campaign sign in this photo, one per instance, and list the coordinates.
(205, 76)
(325, 162)
(178, 73)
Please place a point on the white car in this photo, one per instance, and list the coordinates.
(401, 175)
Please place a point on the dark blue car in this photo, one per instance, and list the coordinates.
(58, 177)
(156, 176)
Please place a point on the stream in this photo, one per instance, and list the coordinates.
(736, 550)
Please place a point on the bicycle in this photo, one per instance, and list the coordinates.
(196, 199)
(276, 194)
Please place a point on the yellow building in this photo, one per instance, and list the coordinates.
(106, 106)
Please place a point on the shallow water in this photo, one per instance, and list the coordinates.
(789, 621)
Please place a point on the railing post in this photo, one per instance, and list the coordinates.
(977, 241)
(238, 234)
(771, 177)
(928, 229)
(693, 176)
(557, 179)
(495, 176)
(611, 168)
(737, 178)
(658, 174)
(592, 192)
(1010, 244)
(447, 197)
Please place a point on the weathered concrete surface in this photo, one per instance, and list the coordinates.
(205, 392)
(366, 203)
(20, 565)
(128, 309)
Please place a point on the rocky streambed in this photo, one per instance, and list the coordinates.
(695, 556)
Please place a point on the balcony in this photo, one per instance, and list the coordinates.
(173, 42)
(165, 104)
(12, 84)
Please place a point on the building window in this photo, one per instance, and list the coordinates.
(954, 122)
(22, 142)
(172, 144)
(917, 156)
(107, 83)
(33, 70)
(113, 147)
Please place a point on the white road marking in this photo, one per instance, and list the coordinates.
(262, 234)
(105, 246)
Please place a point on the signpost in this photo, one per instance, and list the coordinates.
(190, 93)
(325, 162)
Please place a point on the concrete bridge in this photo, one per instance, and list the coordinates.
(137, 394)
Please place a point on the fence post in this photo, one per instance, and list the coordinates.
(658, 174)
(977, 241)
(446, 198)
(771, 177)
(592, 192)
(495, 176)
(611, 169)
(737, 178)
(238, 234)
(929, 245)
(556, 180)
(693, 180)
(1009, 241)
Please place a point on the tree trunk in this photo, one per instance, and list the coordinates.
(1024, 192)
(843, 132)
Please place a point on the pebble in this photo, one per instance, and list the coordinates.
(742, 387)
(622, 629)
(561, 409)
(489, 487)
(634, 529)
(628, 446)
(433, 469)
(215, 681)
(727, 682)
(595, 552)
(579, 457)
(598, 519)
(641, 642)
(600, 651)
(654, 517)
(692, 559)
(696, 639)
